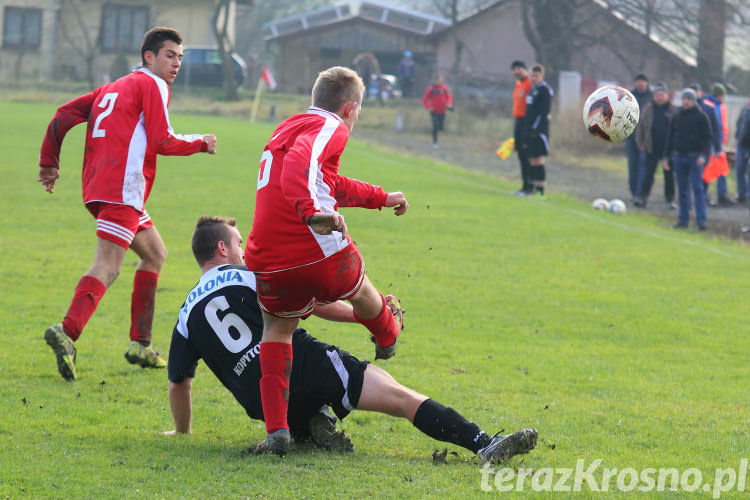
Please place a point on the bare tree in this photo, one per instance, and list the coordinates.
(220, 27)
(455, 10)
(556, 29)
(711, 33)
(694, 27)
(85, 45)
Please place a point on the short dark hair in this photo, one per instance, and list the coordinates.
(154, 40)
(517, 64)
(209, 231)
(640, 76)
(335, 86)
(537, 68)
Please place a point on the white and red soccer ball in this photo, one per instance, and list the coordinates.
(611, 113)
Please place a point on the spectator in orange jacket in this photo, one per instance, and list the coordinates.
(716, 100)
(437, 98)
(520, 92)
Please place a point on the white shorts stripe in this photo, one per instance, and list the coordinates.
(145, 217)
(115, 230)
(338, 365)
(292, 314)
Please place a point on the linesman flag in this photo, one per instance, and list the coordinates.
(267, 77)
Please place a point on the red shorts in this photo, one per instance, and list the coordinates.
(118, 223)
(292, 293)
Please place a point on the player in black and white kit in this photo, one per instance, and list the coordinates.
(536, 135)
(220, 322)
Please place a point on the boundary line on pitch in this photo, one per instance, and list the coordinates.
(587, 215)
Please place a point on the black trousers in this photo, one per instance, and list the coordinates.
(437, 124)
(646, 180)
(518, 128)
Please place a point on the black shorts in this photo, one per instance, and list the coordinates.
(536, 146)
(323, 375)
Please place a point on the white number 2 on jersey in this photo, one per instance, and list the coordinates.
(108, 101)
(264, 172)
(221, 326)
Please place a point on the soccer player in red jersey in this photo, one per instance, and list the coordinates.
(128, 125)
(299, 248)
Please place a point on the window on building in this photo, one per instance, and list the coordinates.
(123, 27)
(22, 28)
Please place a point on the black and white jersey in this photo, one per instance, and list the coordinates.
(538, 106)
(221, 323)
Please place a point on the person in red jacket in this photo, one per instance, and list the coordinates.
(299, 248)
(128, 125)
(437, 98)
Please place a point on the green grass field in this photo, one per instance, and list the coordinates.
(616, 337)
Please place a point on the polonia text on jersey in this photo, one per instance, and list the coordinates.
(203, 288)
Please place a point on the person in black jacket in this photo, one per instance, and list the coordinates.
(742, 156)
(689, 144)
(536, 122)
(651, 138)
(636, 157)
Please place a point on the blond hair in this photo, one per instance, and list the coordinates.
(336, 86)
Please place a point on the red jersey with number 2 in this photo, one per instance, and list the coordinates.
(299, 177)
(128, 125)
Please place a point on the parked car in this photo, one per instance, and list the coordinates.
(202, 66)
(387, 85)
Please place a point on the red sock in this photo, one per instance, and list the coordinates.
(276, 367)
(142, 305)
(85, 299)
(383, 326)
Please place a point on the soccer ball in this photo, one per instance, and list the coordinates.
(601, 204)
(617, 206)
(611, 113)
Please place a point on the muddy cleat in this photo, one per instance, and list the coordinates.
(398, 313)
(502, 448)
(277, 443)
(64, 350)
(323, 433)
(146, 357)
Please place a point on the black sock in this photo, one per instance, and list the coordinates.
(446, 424)
(540, 176)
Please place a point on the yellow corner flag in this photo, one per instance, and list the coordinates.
(506, 148)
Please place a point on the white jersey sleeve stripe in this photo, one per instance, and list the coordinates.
(134, 183)
(320, 192)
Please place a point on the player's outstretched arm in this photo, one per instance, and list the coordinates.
(328, 223)
(47, 176)
(181, 404)
(397, 200)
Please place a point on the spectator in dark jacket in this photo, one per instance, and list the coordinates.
(742, 156)
(643, 95)
(407, 73)
(651, 138)
(689, 144)
(437, 98)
